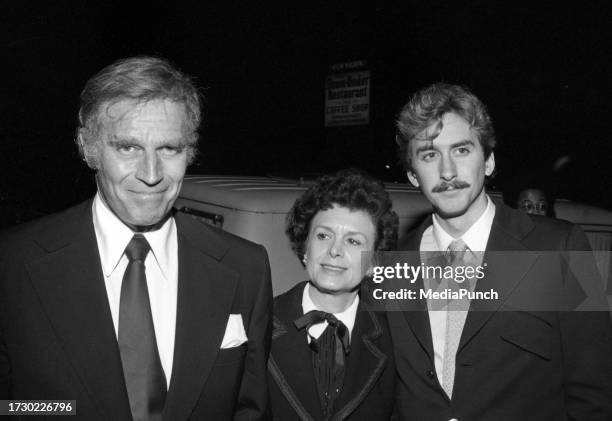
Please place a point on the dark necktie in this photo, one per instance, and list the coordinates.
(144, 376)
(328, 358)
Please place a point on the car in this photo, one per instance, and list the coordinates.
(256, 208)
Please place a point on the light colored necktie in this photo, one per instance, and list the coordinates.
(455, 317)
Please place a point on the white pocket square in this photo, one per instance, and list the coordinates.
(234, 332)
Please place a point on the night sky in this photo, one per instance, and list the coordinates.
(543, 70)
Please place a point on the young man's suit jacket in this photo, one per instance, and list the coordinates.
(57, 339)
(369, 382)
(511, 365)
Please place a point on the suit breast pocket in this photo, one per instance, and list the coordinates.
(231, 355)
(529, 333)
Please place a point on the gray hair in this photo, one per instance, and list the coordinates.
(141, 79)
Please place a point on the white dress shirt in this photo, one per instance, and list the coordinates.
(161, 268)
(435, 239)
(347, 316)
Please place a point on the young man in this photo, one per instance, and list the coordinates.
(488, 362)
(133, 310)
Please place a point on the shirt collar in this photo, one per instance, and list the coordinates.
(475, 237)
(113, 237)
(347, 316)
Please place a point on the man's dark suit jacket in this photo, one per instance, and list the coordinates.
(369, 382)
(57, 339)
(510, 365)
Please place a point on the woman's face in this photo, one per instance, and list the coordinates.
(333, 249)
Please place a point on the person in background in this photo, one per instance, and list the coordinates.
(534, 202)
(131, 309)
(487, 360)
(331, 356)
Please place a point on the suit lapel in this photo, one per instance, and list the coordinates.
(70, 285)
(504, 271)
(290, 362)
(206, 291)
(291, 367)
(366, 363)
(507, 260)
(417, 315)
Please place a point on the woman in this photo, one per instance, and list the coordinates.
(331, 356)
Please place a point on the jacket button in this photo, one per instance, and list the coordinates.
(431, 374)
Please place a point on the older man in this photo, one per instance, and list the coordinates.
(486, 360)
(133, 310)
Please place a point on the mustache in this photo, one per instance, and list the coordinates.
(454, 184)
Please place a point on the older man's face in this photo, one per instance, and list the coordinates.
(142, 158)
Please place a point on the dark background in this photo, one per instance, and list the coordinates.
(542, 69)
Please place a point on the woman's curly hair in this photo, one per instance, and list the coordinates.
(351, 189)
